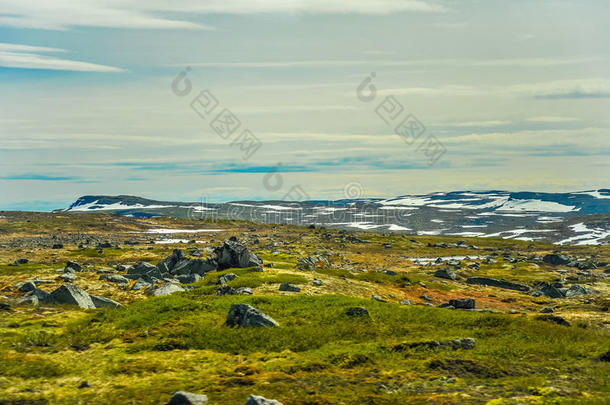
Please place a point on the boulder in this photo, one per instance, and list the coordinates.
(446, 273)
(235, 254)
(188, 278)
(103, 302)
(187, 398)
(166, 289)
(258, 400)
(605, 357)
(289, 287)
(141, 268)
(556, 259)
(462, 303)
(141, 283)
(227, 290)
(497, 283)
(550, 291)
(316, 282)
(577, 289)
(244, 315)
(68, 277)
(193, 266)
(167, 264)
(71, 294)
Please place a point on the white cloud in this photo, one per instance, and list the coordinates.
(147, 14)
(551, 118)
(20, 56)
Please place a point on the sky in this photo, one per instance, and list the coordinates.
(300, 99)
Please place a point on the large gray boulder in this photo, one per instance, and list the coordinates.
(246, 316)
(193, 266)
(141, 268)
(235, 254)
(555, 259)
(167, 264)
(187, 398)
(258, 400)
(103, 302)
(446, 273)
(462, 303)
(71, 294)
(289, 287)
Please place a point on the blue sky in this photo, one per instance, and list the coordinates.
(517, 94)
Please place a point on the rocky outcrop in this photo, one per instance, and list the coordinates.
(258, 400)
(71, 294)
(235, 254)
(187, 398)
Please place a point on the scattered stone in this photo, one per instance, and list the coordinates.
(555, 259)
(225, 278)
(57, 246)
(71, 294)
(311, 262)
(446, 273)
(27, 286)
(462, 343)
(103, 302)
(114, 278)
(84, 384)
(462, 303)
(68, 277)
(244, 315)
(316, 282)
(140, 283)
(547, 310)
(405, 302)
(605, 357)
(357, 312)
(389, 272)
(166, 289)
(258, 400)
(497, 283)
(548, 290)
(141, 268)
(187, 398)
(378, 298)
(73, 266)
(20, 261)
(553, 318)
(577, 289)
(289, 287)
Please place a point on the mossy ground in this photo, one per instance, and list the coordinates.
(153, 347)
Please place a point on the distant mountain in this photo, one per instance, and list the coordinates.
(563, 218)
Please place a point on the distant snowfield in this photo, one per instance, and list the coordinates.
(536, 205)
(94, 206)
(170, 241)
(589, 237)
(169, 231)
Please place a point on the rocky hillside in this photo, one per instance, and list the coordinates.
(104, 309)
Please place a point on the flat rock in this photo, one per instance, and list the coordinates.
(446, 274)
(166, 289)
(244, 315)
(462, 303)
(103, 302)
(289, 287)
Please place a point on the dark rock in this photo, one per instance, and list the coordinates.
(316, 282)
(463, 343)
(187, 398)
(289, 287)
(246, 316)
(357, 312)
(258, 400)
(462, 303)
(194, 266)
(555, 259)
(20, 261)
(553, 318)
(41, 295)
(225, 278)
(446, 273)
(73, 266)
(243, 291)
(141, 268)
(605, 356)
(103, 302)
(84, 384)
(577, 289)
(389, 272)
(57, 246)
(141, 283)
(497, 283)
(548, 290)
(547, 310)
(27, 286)
(71, 294)
(235, 254)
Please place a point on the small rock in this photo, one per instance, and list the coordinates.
(405, 302)
(289, 287)
(28, 286)
(547, 310)
(462, 303)
(103, 302)
(73, 266)
(554, 318)
(68, 277)
(446, 273)
(225, 278)
(357, 312)
(187, 398)
(316, 282)
(84, 384)
(378, 298)
(258, 400)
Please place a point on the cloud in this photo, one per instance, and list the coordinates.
(148, 14)
(21, 56)
(39, 177)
